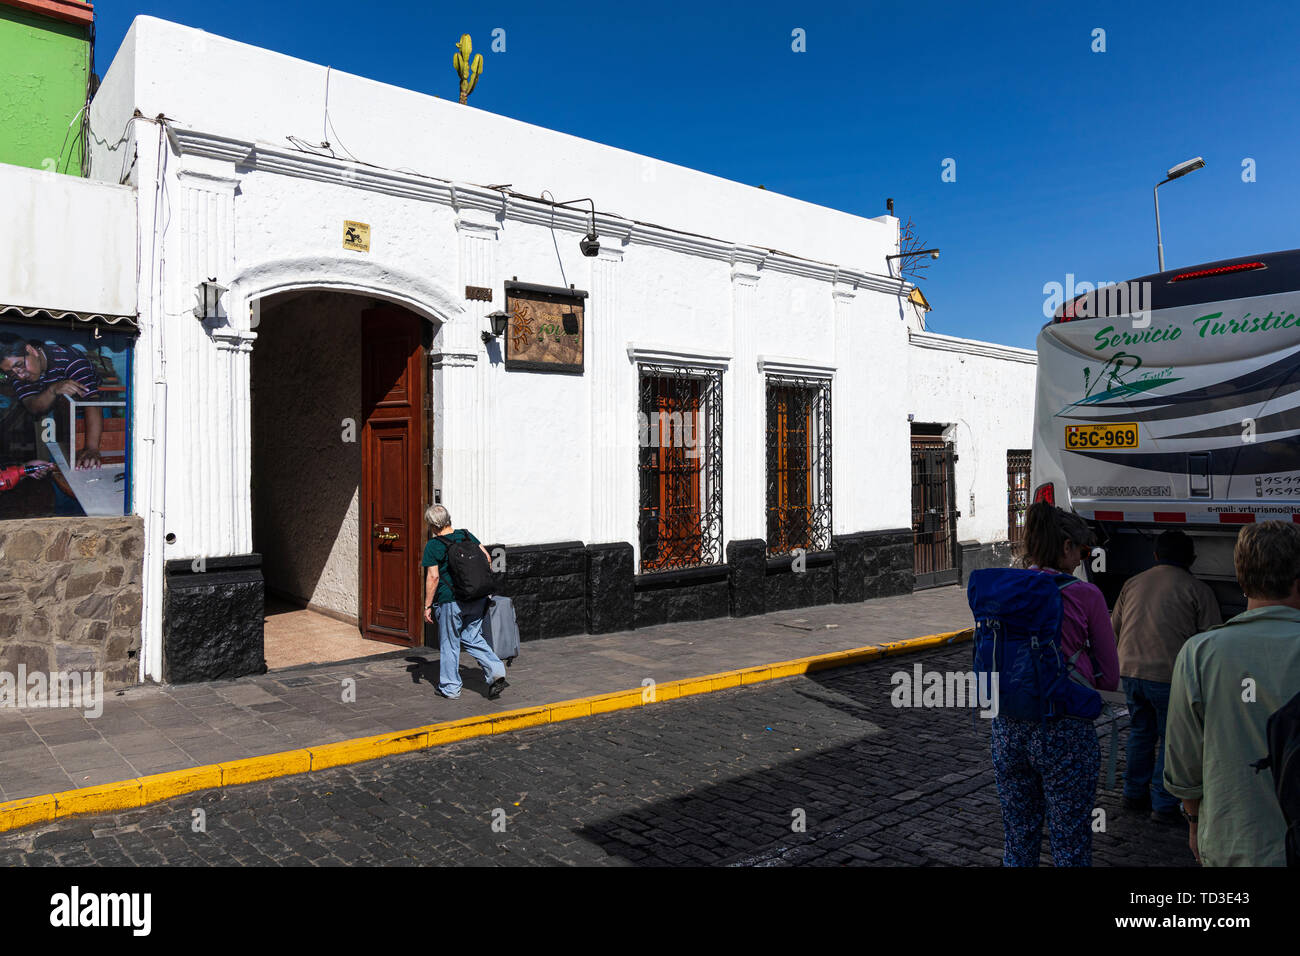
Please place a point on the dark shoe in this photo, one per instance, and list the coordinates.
(498, 685)
(1137, 803)
(1167, 816)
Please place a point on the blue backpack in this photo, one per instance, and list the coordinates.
(1018, 616)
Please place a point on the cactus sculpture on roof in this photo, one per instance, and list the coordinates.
(468, 71)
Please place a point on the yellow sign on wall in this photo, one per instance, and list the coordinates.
(356, 236)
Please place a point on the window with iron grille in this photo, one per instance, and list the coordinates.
(1018, 462)
(680, 468)
(798, 464)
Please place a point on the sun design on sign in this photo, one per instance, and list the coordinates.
(521, 326)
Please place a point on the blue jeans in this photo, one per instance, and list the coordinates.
(1148, 705)
(462, 624)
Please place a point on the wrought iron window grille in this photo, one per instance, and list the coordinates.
(679, 467)
(798, 439)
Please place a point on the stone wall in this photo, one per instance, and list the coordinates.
(569, 587)
(70, 596)
(213, 618)
(976, 555)
(803, 584)
(873, 564)
(547, 584)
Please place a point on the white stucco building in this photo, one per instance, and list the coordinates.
(342, 373)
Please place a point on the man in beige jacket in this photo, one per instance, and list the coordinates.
(1157, 611)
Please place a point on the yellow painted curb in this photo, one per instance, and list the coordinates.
(571, 709)
(521, 718)
(141, 791)
(122, 795)
(366, 748)
(164, 786)
(253, 769)
(29, 810)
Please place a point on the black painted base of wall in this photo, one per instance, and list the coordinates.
(873, 564)
(976, 555)
(692, 594)
(212, 619)
(548, 584)
(799, 580)
(569, 588)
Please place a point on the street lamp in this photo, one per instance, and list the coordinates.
(1182, 169)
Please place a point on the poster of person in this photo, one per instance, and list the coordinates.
(64, 421)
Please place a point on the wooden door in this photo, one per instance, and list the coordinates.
(392, 439)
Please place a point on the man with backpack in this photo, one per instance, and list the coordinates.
(1155, 614)
(1226, 683)
(458, 583)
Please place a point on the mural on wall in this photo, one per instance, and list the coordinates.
(545, 328)
(64, 421)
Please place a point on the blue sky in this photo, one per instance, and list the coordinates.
(1056, 146)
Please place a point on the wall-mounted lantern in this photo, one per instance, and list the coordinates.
(590, 245)
(499, 320)
(207, 299)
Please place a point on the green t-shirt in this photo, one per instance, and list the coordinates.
(1213, 735)
(435, 555)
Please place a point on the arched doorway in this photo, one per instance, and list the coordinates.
(340, 471)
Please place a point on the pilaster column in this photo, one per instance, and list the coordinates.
(745, 474)
(846, 415)
(613, 435)
(208, 451)
(468, 439)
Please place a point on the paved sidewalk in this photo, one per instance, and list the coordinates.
(159, 728)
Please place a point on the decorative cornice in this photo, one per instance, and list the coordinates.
(950, 343)
(777, 365)
(670, 355)
(247, 155)
(202, 179)
(452, 359)
(473, 222)
(232, 339)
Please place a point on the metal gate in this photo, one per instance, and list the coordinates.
(934, 512)
(1018, 462)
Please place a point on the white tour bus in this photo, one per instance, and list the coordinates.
(1173, 402)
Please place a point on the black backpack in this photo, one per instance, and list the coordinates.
(471, 573)
(1283, 733)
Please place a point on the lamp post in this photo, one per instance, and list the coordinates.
(1182, 169)
(932, 253)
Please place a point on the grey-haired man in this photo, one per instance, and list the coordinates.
(460, 623)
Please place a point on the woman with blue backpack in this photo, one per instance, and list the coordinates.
(1047, 637)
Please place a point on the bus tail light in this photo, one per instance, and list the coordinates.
(1045, 493)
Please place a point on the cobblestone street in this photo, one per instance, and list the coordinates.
(717, 779)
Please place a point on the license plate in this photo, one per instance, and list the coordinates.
(1101, 436)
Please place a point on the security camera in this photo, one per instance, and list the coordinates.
(590, 246)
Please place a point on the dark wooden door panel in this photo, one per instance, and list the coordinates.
(391, 524)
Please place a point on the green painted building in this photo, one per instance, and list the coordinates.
(46, 64)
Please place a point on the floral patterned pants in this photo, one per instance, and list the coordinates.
(1052, 774)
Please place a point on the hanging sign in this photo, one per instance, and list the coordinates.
(545, 330)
